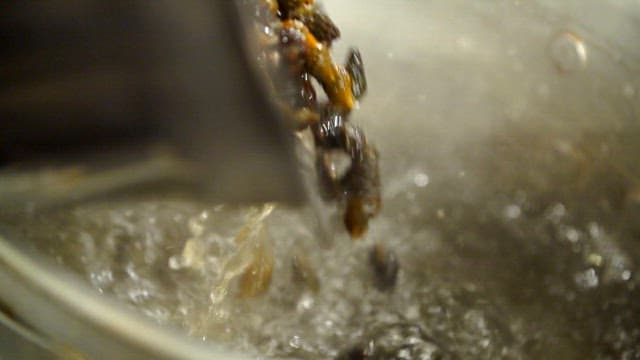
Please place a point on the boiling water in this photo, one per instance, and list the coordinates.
(509, 144)
(509, 274)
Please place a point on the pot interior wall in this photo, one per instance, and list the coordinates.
(509, 134)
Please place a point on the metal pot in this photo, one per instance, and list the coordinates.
(504, 107)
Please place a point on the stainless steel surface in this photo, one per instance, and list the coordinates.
(88, 77)
(447, 80)
(63, 310)
(19, 342)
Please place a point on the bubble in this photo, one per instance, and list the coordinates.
(397, 341)
(594, 230)
(295, 342)
(138, 294)
(175, 262)
(305, 303)
(512, 211)
(557, 212)
(568, 52)
(195, 227)
(587, 279)
(102, 277)
(572, 235)
(421, 179)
